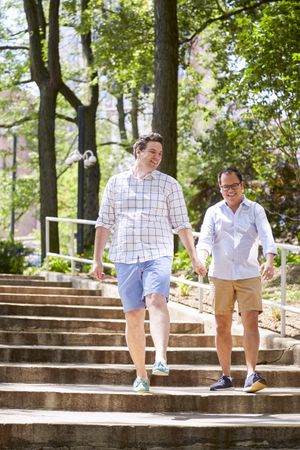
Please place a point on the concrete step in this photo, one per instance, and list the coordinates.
(120, 355)
(160, 399)
(97, 312)
(53, 324)
(47, 299)
(9, 276)
(124, 374)
(91, 339)
(48, 290)
(38, 283)
(46, 429)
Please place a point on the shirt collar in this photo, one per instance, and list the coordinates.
(150, 176)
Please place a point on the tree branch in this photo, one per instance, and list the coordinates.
(70, 96)
(126, 146)
(68, 119)
(18, 122)
(14, 47)
(226, 16)
(39, 71)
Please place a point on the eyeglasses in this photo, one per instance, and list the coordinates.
(227, 187)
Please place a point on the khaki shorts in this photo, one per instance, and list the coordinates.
(224, 294)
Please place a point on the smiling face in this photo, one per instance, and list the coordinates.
(231, 189)
(150, 158)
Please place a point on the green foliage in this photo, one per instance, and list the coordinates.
(181, 261)
(184, 289)
(291, 259)
(31, 270)
(124, 42)
(12, 257)
(276, 313)
(182, 264)
(256, 123)
(58, 265)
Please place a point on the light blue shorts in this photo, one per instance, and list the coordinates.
(137, 280)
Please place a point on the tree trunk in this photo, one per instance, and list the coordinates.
(121, 117)
(47, 164)
(48, 80)
(166, 82)
(92, 175)
(134, 114)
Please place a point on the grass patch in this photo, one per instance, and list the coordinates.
(273, 293)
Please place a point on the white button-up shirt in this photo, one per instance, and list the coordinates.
(143, 213)
(233, 239)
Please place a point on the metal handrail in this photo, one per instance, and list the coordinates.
(285, 248)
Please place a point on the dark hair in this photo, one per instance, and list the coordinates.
(143, 140)
(230, 170)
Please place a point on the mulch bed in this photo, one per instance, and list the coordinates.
(269, 319)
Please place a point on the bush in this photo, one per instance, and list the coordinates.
(12, 257)
(58, 265)
(182, 264)
(291, 259)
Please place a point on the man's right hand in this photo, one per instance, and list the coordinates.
(97, 271)
(199, 267)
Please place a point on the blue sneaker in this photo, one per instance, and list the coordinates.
(160, 368)
(222, 384)
(254, 383)
(141, 386)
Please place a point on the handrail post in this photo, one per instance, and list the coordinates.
(283, 289)
(200, 279)
(72, 250)
(47, 247)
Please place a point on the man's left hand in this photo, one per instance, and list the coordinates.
(267, 271)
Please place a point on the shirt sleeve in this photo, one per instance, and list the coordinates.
(177, 209)
(106, 216)
(207, 232)
(264, 230)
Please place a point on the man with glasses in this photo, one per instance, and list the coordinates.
(230, 232)
(143, 206)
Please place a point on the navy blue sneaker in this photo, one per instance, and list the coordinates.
(254, 383)
(222, 384)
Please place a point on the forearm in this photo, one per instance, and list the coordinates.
(203, 255)
(101, 238)
(270, 259)
(186, 237)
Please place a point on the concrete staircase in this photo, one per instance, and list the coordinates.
(66, 380)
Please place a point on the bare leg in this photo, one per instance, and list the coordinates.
(224, 341)
(251, 339)
(159, 324)
(136, 341)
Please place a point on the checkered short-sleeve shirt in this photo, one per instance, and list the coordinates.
(142, 214)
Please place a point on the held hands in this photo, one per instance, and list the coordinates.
(199, 267)
(267, 271)
(97, 271)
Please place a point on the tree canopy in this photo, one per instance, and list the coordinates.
(219, 79)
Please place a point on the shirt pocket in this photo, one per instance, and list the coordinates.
(246, 226)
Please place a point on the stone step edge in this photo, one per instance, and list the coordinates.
(130, 367)
(127, 390)
(198, 420)
(124, 348)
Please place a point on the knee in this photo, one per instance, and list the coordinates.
(135, 318)
(223, 328)
(156, 301)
